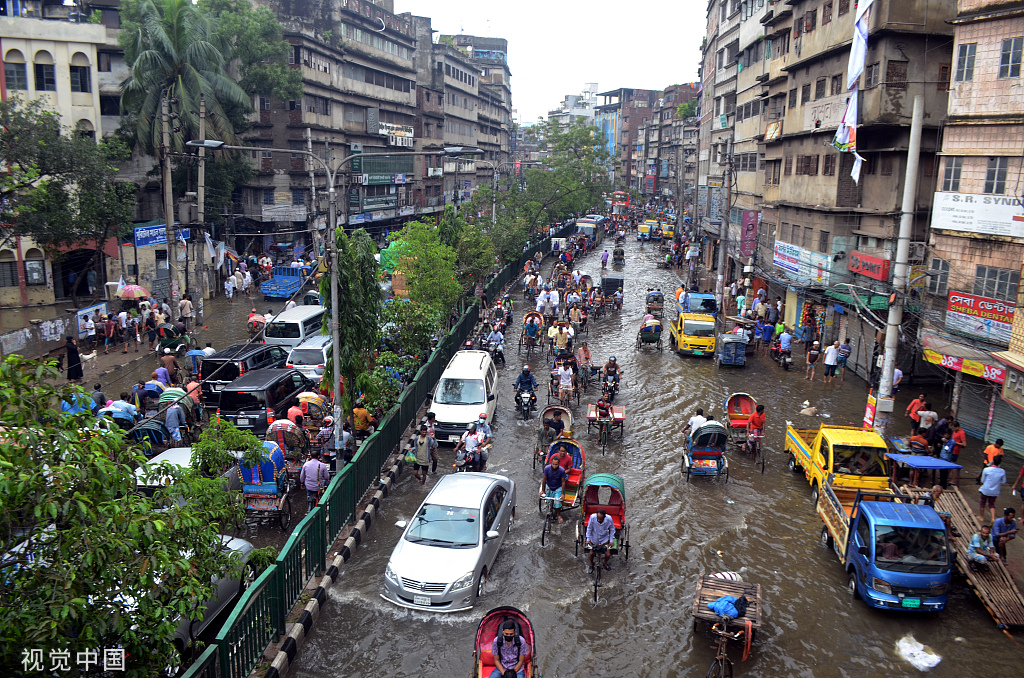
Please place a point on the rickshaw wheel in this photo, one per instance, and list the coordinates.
(285, 519)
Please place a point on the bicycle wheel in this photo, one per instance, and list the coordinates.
(544, 532)
(597, 577)
(604, 438)
(717, 669)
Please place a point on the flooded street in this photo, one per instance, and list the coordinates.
(764, 526)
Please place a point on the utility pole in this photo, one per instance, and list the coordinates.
(723, 227)
(332, 233)
(901, 271)
(202, 256)
(494, 196)
(165, 162)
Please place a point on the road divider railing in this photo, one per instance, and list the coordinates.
(260, 616)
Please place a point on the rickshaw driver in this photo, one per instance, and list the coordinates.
(583, 357)
(604, 410)
(618, 298)
(531, 329)
(600, 533)
(755, 424)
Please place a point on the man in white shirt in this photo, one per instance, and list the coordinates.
(831, 361)
(696, 421)
(565, 379)
(209, 350)
(90, 329)
(290, 305)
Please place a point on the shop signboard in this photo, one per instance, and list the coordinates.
(967, 366)
(868, 266)
(377, 179)
(786, 256)
(1013, 388)
(748, 233)
(825, 113)
(984, 214)
(981, 317)
(716, 205)
(702, 201)
(376, 202)
(157, 235)
(869, 412)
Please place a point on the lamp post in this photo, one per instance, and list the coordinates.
(332, 217)
(494, 186)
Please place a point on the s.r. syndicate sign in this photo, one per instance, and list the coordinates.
(984, 214)
(987, 319)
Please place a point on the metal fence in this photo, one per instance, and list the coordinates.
(260, 616)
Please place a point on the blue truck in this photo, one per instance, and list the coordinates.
(284, 282)
(896, 553)
(700, 303)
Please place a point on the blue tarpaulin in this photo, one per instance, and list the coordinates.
(922, 462)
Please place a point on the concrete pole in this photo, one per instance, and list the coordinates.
(494, 196)
(202, 256)
(332, 226)
(723, 228)
(901, 271)
(165, 164)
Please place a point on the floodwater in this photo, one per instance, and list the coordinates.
(762, 526)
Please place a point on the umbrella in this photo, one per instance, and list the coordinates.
(133, 292)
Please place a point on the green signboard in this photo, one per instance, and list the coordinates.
(379, 202)
(375, 179)
(353, 197)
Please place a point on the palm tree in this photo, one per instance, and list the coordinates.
(174, 51)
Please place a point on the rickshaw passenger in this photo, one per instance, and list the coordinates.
(553, 427)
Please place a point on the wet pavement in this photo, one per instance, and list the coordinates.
(762, 526)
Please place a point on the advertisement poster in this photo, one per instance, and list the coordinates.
(748, 232)
(985, 214)
(786, 256)
(716, 205)
(981, 317)
(869, 412)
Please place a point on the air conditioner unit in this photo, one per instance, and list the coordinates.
(917, 250)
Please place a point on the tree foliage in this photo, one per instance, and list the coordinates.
(428, 266)
(686, 110)
(410, 326)
(85, 561)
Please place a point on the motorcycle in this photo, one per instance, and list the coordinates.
(783, 358)
(467, 462)
(610, 388)
(497, 351)
(525, 400)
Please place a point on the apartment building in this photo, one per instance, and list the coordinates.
(618, 116)
(663, 149)
(971, 334)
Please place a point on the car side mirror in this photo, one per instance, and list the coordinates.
(402, 524)
(491, 397)
(864, 551)
(492, 534)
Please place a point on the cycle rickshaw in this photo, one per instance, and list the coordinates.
(613, 503)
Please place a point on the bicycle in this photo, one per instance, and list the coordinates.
(599, 550)
(549, 518)
(604, 433)
(722, 666)
(752, 446)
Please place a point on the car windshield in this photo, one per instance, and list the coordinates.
(236, 401)
(445, 526)
(459, 392)
(693, 328)
(859, 461)
(285, 330)
(306, 356)
(708, 306)
(911, 549)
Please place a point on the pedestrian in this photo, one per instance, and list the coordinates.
(247, 284)
(912, 410)
(314, 476)
(171, 364)
(423, 447)
(73, 360)
(90, 280)
(845, 350)
(811, 357)
(175, 420)
(992, 479)
(98, 397)
(1004, 530)
(109, 334)
(162, 375)
(928, 418)
(150, 327)
(897, 377)
(808, 335)
(229, 288)
(831, 361)
(290, 305)
(993, 452)
(741, 302)
(122, 328)
(185, 311)
(136, 331)
(981, 549)
(90, 331)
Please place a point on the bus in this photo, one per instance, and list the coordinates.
(620, 202)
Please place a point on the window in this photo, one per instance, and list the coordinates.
(951, 175)
(782, 45)
(938, 278)
(965, 61)
(810, 19)
(996, 283)
(823, 241)
(268, 196)
(296, 55)
(46, 78)
(826, 13)
(995, 176)
(828, 165)
(35, 268)
(844, 7)
(80, 81)
(355, 114)
(836, 86)
(103, 62)
(808, 237)
(784, 232)
(110, 105)
(807, 165)
(805, 94)
(16, 76)
(885, 162)
(298, 196)
(871, 75)
(896, 74)
(1009, 63)
(944, 70)
(8, 270)
(789, 165)
(819, 88)
(297, 147)
(792, 98)
(264, 103)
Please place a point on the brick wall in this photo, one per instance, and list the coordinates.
(986, 92)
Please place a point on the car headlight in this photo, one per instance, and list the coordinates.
(939, 590)
(463, 582)
(390, 574)
(881, 585)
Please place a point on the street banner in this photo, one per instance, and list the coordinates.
(157, 235)
(981, 317)
(748, 233)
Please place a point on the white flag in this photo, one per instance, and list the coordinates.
(220, 255)
(862, 9)
(858, 53)
(855, 172)
(210, 247)
(120, 286)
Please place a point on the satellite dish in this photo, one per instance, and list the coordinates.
(382, 25)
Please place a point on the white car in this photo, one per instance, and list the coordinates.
(448, 548)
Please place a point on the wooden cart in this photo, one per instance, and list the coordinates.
(711, 588)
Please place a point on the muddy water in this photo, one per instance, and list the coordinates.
(764, 527)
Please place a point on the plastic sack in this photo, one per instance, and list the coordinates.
(916, 653)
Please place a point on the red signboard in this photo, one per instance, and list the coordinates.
(650, 184)
(876, 268)
(748, 237)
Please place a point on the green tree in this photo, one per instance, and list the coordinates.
(474, 256)
(61, 188)
(360, 299)
(410, 326)
(428, 265)
(86, 561)
(175, 49)
(687, 109)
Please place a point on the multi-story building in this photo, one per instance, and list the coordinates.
(664, 146)
(976, 243)
(577, 106)
(620, 115)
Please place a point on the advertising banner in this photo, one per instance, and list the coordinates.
(866, 265)
(981, 317)
(748, 232)
(157, 235)
(786, 256)
(967, 366)
(716, 205)
(986, 214)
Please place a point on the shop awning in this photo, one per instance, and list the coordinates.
(945, 351)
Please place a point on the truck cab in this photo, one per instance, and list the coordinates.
(846, 457)
(693, 333)
(896, 554)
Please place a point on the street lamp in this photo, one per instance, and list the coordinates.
(332, 215)
(494, 188)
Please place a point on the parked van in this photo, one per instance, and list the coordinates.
(294, 326)
(468, 386)
(257, 399)
(310, 357)
(228, 364)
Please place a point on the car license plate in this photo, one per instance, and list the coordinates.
(218, 387)
(911, 602)
(241, 422)
(454, 439)
(698, 353)
(421, 600)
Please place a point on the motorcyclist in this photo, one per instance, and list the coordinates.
(786, 342)
(496, 337)
(612, 369)
(525, 382)
(470, 442)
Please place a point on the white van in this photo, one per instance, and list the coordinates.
(468, 386)
(310, 357)
(294, 326)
